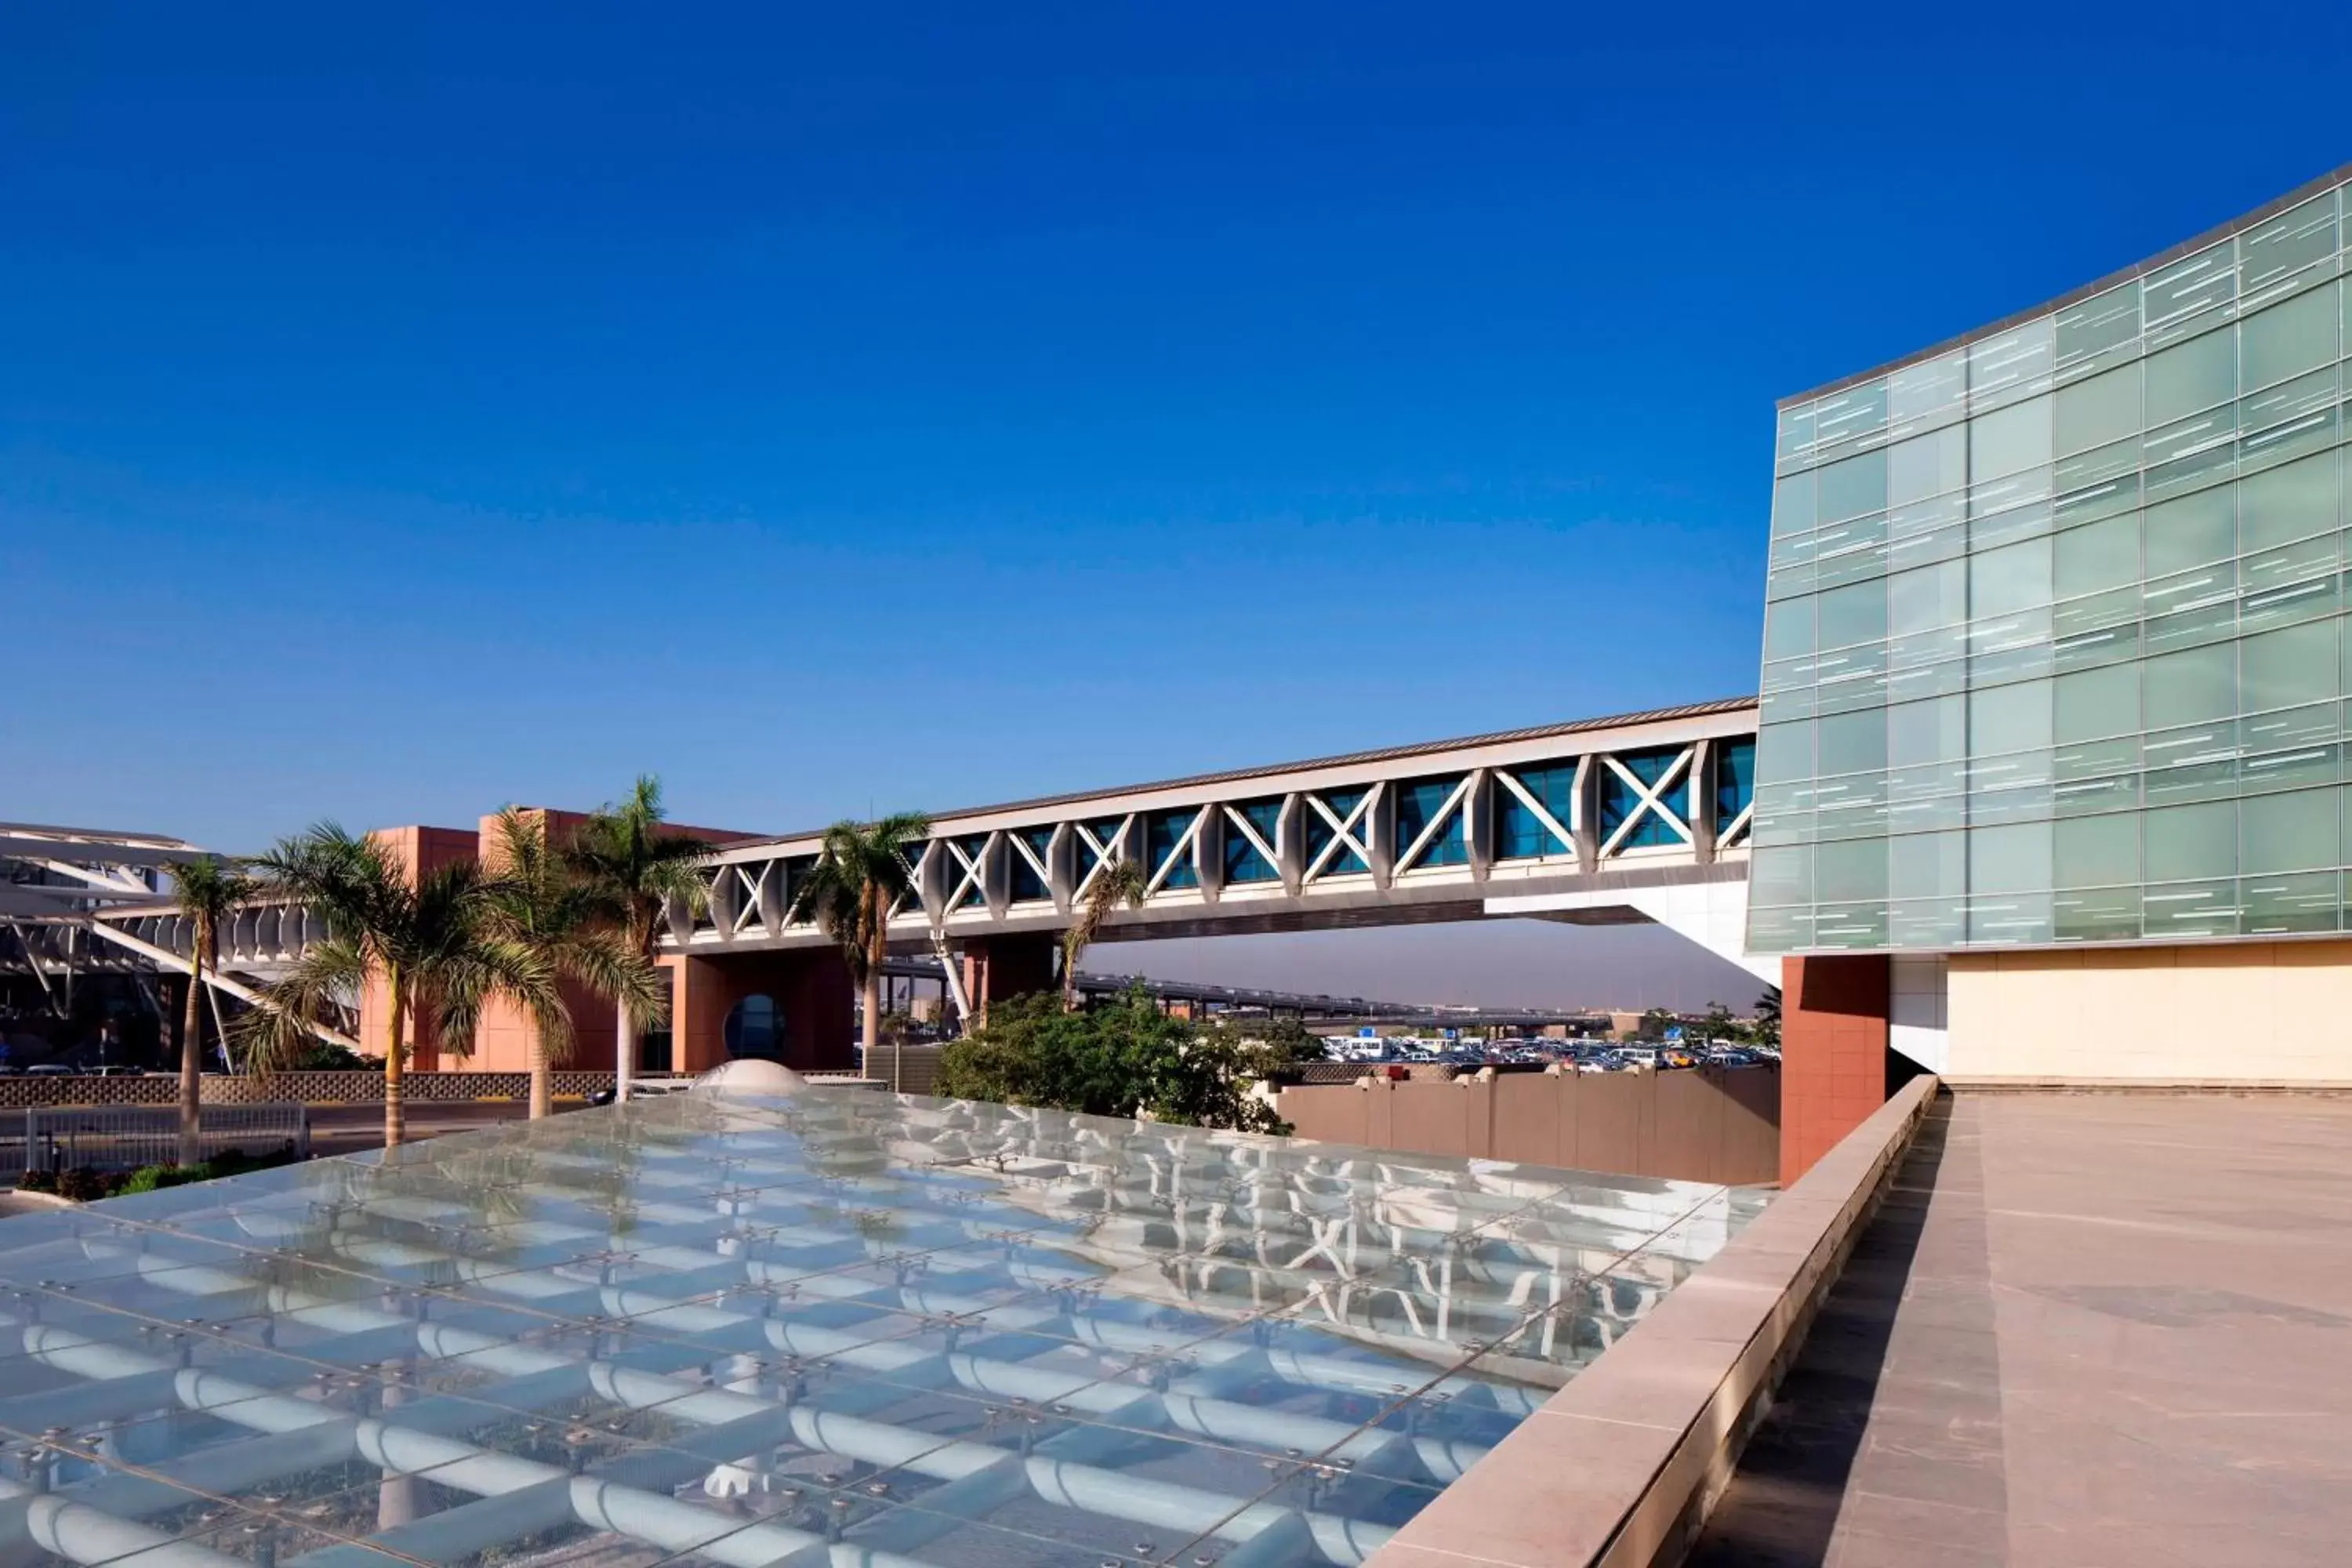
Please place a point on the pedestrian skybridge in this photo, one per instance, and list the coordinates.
(1637, 817)
(838, 1328)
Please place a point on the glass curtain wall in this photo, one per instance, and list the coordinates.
(2053, 639)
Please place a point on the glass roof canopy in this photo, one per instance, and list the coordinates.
(839, 1329)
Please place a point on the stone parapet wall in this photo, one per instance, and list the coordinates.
(1699, 1124)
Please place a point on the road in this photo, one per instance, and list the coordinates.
(348, 1128)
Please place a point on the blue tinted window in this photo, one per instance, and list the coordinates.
(1026, 884)
(1521, 833)
(1243, 861)
(1619, 800)
(1734, 779)
(1106, 832)
(1162, 830)
(972, 845)
(1320, 833)
(1418, 804)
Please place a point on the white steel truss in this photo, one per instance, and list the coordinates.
(1339, 835)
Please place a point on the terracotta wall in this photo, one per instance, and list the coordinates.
(422, 851)
(1702, 1125)
(812, 987)
(504, 1041)
(2255, 1011)
(997, 967)
(1833, 1030)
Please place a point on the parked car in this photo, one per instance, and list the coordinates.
(49, 1069)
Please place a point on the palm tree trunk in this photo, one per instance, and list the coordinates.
(191, 1063)
(395, 1120)
(542, 1077)
(624, 1048)
(873, 961)
(870, 1033)
(869, 1030)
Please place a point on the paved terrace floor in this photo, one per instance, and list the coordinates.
(2083, 1330)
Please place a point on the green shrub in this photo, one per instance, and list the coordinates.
(38, 1181)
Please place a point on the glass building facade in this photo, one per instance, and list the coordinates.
(2055, 645)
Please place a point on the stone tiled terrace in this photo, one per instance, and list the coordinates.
(2083, 1330)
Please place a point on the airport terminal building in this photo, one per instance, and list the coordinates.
(2051, 777)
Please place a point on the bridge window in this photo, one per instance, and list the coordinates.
(795, 873)
(1419, 805)
(1622, 802)
(1319, 834)
(1162, 831)
(1734, 779)
(974, 893)
(1519, 833)
(1106, 831)
(1028, 885)
(1244, 862)
(755, 1027)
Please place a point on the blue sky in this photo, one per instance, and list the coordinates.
(890, 404)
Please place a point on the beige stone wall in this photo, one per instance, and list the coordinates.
(2247, 1012)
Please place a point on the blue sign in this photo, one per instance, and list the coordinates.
(1368, 1033)
(1675, 1032)
(1452, 1034)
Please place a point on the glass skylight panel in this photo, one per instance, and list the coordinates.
(842, 1326)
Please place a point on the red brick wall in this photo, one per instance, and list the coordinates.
(1834, 1013)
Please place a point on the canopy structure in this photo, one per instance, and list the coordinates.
(836, 1328)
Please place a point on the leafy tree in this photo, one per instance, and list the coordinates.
(432, 940)
(1120, 882)
(1766, 1031)
(862, 870)
(1127, 1058)
(539, 901)
(210, 893)
(633, 872)
(1654, 1025)
(1719, 1025)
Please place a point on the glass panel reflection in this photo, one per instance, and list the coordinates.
(742, 1329)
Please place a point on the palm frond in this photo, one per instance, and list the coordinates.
(328, 974)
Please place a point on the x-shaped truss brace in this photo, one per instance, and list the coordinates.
(1352, 831)
(1650, 799)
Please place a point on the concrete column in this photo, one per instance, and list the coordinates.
(996, 873)
(1701, 786)
(1209, 851)
(1379, 829)
(1479, 821)
(1833, 1036)
(1290, 842)
(1586, 820)
(1062, 854)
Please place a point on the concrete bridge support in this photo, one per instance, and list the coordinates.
(809, 992)
(998, 967)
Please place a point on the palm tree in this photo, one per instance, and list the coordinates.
(862, 871)
(1121, 881)
(210, 894)
(434, 939)
(540, 901)
(634, 871)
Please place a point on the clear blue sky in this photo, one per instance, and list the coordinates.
(887, 405)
